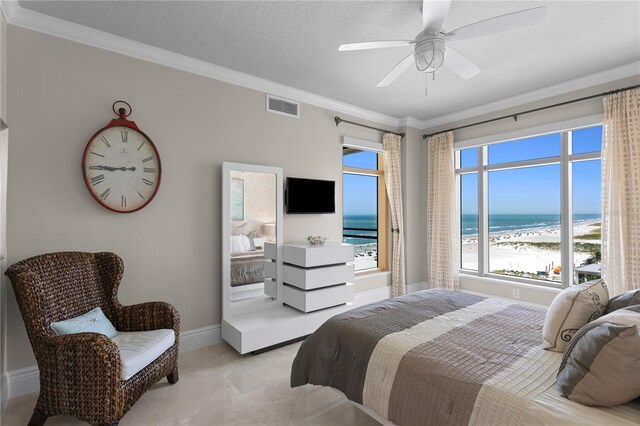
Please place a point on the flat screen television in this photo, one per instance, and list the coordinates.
(310, 196)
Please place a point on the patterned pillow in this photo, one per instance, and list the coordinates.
(572, 308)
(93, 321)
(623, 300)
(601, 365)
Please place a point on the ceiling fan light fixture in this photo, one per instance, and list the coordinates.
(429, 55)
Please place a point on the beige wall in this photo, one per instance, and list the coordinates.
(61, 92)
(412, 188)
(529, 293)
(3, 171)
(259, 202)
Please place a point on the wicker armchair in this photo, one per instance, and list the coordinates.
(80, 373)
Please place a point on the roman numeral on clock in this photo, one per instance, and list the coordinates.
(105, 141)
(99, 155)
(105, 194)
(123, 201)
(147, 159)
(141, 196)
(141, 145)
(97, 179)
(125, 136)
(149, 170)
(148, 182)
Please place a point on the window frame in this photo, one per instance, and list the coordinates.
(566, 159)
(382, 210)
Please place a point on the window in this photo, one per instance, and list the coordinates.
(530, 208)
(364, 207)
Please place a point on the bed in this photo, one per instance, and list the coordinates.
(439, 357)
(247, 268)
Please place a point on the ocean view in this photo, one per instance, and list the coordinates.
(517, 222)
(369, 222)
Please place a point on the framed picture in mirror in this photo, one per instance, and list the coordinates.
(237, 199)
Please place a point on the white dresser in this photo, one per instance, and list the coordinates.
(317, 276)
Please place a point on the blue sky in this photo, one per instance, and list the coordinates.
(532, 190)
(360, 192)
(536, 190)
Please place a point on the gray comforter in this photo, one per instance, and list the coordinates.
(434, 357)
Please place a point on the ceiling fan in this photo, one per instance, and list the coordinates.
(431, 45)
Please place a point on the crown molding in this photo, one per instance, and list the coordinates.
(412, 122)
(580, 83)
(46, 24)
(16, 15)
(9, 9)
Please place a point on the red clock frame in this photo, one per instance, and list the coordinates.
(121, 121)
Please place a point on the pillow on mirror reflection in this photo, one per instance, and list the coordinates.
(236, 244)
(240, 244)
(246, 244)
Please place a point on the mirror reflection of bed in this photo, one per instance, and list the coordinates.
(253, 218)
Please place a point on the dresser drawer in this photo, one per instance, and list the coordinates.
(270, 251)
(309, 256)
(313, 300)
(271, 288)
(308, 279)
(270, 270)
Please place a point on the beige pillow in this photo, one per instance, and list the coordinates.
(572, 308)
(601, 365)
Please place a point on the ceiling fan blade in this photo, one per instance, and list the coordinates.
(375, 45)
(434, 13)
(460, 64)
(499, 24)
(396, 71)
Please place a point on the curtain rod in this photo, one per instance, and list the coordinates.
(516, 115)
(340, 120)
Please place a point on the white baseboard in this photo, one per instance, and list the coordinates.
(5, 394)
(23, 381)
(27, 380)
(199, 338)
(382, 293)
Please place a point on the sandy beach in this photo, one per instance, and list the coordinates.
(510, 251)
(521, 251)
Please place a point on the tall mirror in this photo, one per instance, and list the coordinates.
(251, 238)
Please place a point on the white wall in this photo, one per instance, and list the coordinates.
(61, 92)
(529, 293)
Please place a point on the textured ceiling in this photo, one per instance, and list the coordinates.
(296, 44)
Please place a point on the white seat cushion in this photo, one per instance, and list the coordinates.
(140, 348)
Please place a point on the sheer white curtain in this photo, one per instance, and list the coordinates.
(392, 175)
(443, 233)
(621, 191)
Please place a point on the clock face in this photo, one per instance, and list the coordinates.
(121, 169)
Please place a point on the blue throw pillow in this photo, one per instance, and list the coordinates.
(93, 321)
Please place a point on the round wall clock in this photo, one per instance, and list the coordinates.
(121, 165)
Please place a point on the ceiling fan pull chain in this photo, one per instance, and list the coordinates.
(426, 85)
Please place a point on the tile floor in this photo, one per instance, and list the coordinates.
(220, 387)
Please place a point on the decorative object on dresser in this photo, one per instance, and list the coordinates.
(316, 240)
(88, 375)
(121, 165)
(318, 276)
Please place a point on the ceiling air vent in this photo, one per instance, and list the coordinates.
(282, 106)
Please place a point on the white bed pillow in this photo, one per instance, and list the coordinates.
(246, 243)
(236, 244)
(240, 244)
(572, 308)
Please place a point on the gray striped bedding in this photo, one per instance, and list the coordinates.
(435, 357)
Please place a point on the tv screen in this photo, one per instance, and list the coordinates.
(310, 196)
